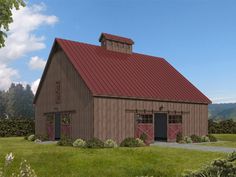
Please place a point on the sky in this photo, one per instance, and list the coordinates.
(198, 37)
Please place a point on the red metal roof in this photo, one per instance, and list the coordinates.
(116, 38)
(114, 74)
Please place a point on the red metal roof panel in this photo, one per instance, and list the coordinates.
(109, 73)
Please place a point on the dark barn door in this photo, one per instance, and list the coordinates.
(57, 126)
(160, 127)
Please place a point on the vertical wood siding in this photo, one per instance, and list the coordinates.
(112, 121)
(75, 96)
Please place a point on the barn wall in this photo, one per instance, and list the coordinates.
(111, 120)
(75, 96)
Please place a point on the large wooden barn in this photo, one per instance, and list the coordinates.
(109, 91)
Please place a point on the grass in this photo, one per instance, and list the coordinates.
(224, 140)
(226, 137)
(52, 160)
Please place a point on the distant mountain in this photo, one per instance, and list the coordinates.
(222, 111)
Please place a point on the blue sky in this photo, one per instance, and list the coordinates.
(197, 37)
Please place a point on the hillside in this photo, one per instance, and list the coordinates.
(222, 111)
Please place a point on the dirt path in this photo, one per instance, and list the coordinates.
(195, 147)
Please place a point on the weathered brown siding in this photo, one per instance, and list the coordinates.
(75, 96)
(111, 120)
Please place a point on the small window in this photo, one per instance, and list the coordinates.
(50, 118)
(66, 118)
(145, 118)
(174, 119)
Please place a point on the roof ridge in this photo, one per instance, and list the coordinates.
(94, 45)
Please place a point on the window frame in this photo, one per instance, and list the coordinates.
(145, 119)
(175, 119)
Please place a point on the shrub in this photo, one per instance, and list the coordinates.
(16, 127)
(42, 137)
(225, 126)
(195, 138)
(37, 141)
(219, 167)
(94, 143)
(65, 141)
(205, 139)
(143, 137)
(140, 142)
(181, 142)
(179, 137)
(187, 139)
(79, 143)
(26, 136)
(110, 143)
(31, 138)
(212, 138)
(129, 142)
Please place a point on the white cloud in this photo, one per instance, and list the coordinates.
(7, 75)
(22, 39)
(36, 63)
(34, 85)
(224, 99)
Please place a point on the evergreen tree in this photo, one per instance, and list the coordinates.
(2, 104)
(20, 101)
(28, 97)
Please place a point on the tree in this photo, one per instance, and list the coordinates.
(2, 104)
(6, 7)
(20, 101)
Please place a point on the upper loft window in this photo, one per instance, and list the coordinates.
(58, 92)
(145, 118)
(50, 118)
(66, 118)
(175, 119)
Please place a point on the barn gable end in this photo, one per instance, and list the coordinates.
(63, 91)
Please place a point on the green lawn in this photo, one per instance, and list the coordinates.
(226, 137)
(52, 160)
(224, 140)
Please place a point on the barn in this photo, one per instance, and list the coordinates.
(110, 92)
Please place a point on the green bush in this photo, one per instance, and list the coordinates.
(140, 142)
(225, 126)
(110, 143)
(181, 142)
(42, 137)
(37, 141)
(212, 138)
(31, 138)
(220, 167)
(65, 141)
(79, 143)
(195, 138)
(205, 139)
(187, 139)
(94, 143)
(129, 142)
(179, 137)
(16, 127)
(143, 137)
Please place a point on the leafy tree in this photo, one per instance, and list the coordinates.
(6, 7)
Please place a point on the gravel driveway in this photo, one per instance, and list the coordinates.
(195, 147)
